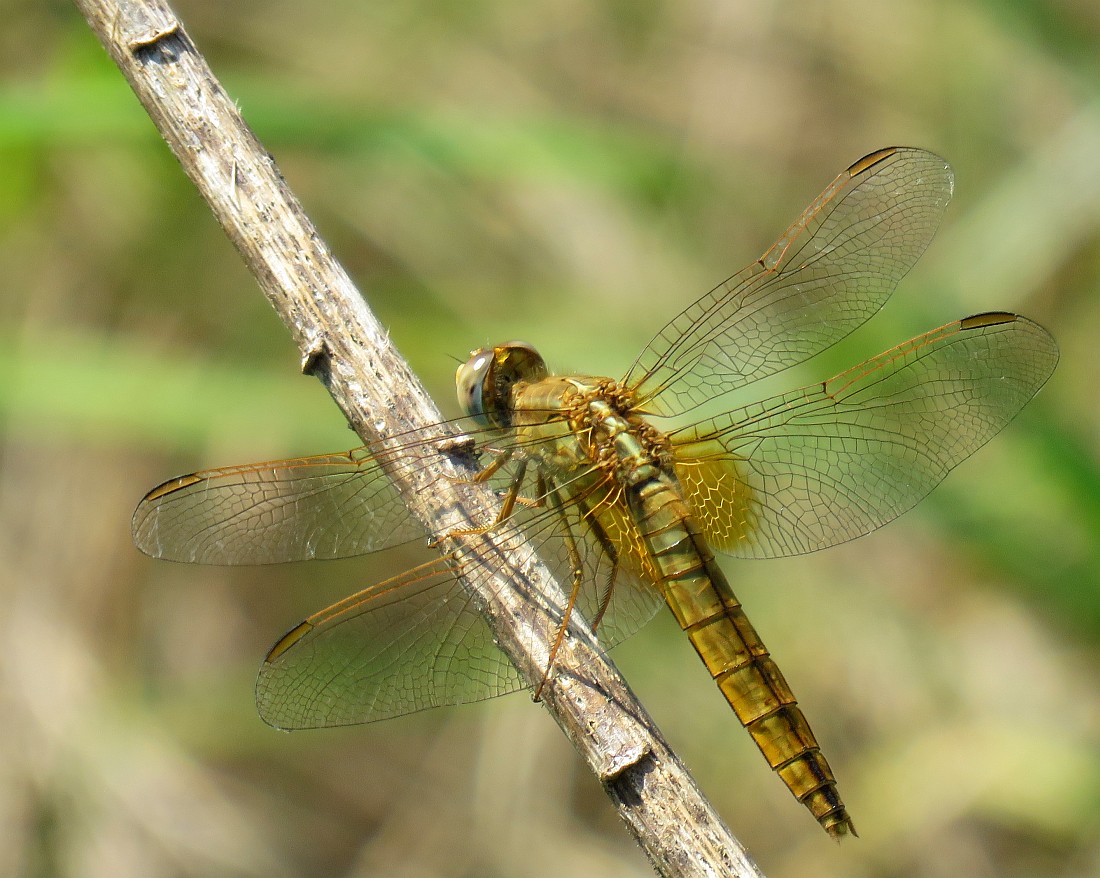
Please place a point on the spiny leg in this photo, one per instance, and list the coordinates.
(588, 514)
(577, 565)
(507, 506)
(500, 457)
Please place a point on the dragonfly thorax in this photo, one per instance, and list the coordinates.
(576, 422)
(632, 447)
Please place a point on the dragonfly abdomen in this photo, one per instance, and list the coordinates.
(710, 614)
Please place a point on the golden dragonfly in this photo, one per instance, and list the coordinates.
(625, 510)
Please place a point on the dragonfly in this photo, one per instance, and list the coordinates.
(624, 495)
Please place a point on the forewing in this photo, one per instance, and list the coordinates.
(828, 273)
(328, 506)
(836, 460)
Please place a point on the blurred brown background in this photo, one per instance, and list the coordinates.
(572, 174)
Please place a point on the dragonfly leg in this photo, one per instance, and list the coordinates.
(609, 549)
(513, 495)
(577, 565)
(507, 506)
(500, 458)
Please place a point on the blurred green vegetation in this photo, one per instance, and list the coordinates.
(572, 174)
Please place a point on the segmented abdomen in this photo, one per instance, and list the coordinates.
(699, 596)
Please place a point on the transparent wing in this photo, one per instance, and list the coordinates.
(417, 641)
(328, 506)
(828, 273)
(403, 645)
(836, 460)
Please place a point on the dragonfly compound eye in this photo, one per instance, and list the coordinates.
(470, 379)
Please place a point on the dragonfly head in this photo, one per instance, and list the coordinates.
(485, 381)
